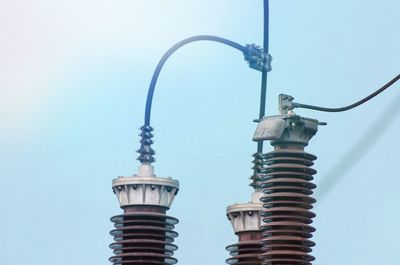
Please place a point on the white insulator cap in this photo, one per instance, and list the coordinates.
(246, 217)
(145, 189)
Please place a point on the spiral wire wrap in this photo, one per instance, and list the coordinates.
(143, 238)
(286, 182)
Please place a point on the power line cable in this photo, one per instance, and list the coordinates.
(165, 57)
(264, 74)
(254, 55)
(349, 107)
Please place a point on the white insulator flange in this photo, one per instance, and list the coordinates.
(145, 190)
(246, 217)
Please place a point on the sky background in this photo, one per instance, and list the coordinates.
(73, 81)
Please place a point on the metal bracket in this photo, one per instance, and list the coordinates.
(285, 103)
(257, 58)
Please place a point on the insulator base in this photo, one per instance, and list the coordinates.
(247, 251)
(143, 237)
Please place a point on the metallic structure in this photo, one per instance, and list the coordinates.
(246, 221)
(274, 228)
(144, 234)
(287, 176)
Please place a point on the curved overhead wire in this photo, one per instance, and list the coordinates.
(165, 57)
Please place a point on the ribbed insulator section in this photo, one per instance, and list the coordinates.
(143, 238)
(245, 253)
(286, 181)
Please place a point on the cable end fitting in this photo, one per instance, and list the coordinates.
(257, 58)
(146, 153)
(286, 103)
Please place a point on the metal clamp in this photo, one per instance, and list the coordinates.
(285, 103)
(257, 58)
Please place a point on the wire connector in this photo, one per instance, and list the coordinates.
(286, 103)
(257, 58)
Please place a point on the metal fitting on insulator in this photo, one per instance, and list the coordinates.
(145, 189)
(287, 130)
(146, 153)
(144, 234)
(285, 104)
(246, 221)
(287, 186)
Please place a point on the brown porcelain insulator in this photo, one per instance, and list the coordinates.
(143, 235)
(247, 251)
(287, 186)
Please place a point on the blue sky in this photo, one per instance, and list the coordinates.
(74, 77)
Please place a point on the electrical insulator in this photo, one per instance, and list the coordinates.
(144, 234)
(286, 179)
(246, 220)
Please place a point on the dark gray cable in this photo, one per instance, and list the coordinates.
(165, 57)
(264, 75)
(352, 106)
